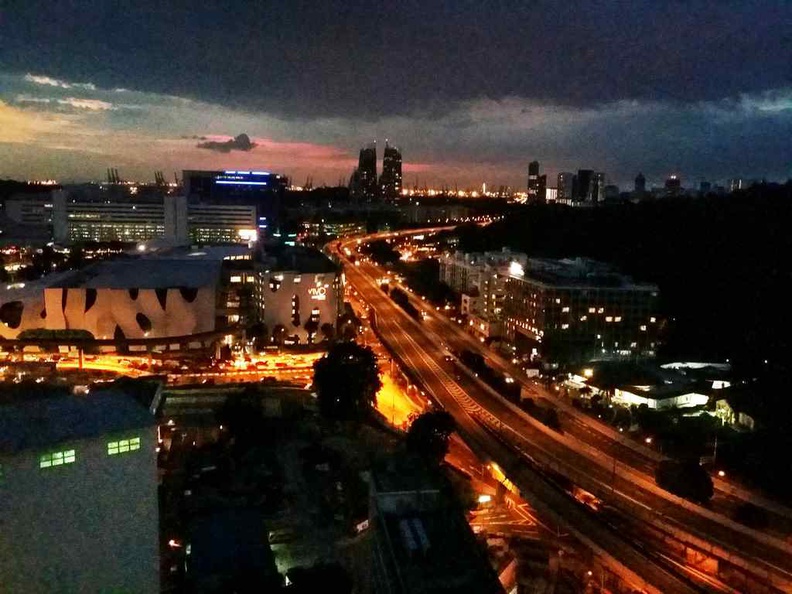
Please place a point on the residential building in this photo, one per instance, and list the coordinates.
(391, 177)
(673, 186)
(480, 278)
(533, 181)
(566, 187)
(78, 495)
(577, 310)
(363, 187)
(640, 184)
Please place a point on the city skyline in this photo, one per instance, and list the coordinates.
(673, 90)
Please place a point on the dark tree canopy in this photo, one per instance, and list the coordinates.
(347, 381)
(428, 435)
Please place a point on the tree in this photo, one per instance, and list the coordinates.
(685, 479)
(257, 332)
(347, 381)
(428, 435)
(328, 331)
(242, 416)
(311, 327)
(278, 334)
(319, 578)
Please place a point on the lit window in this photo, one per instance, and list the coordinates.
(233, 318)
(583, 318)
(57, 459)
(653, 320)
(564, 326)
(558, 301)
(609, 319)
(618, 318)
(565, 309)
(643, 328)
(236, 279)
(592, 309)
(122, 446)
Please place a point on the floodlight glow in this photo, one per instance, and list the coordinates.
(516, 269)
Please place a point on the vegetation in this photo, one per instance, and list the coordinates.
(402, 300)
(496, 380)
(685, 479)
(428, 435)
(347, 380)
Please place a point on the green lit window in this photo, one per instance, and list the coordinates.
(57, 459)
(122, 446)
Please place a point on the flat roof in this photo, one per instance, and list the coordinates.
(144, 273)
(44, 422)
(579, 272)
(298, 259)
(433, 549)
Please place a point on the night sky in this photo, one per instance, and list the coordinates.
(471, 91)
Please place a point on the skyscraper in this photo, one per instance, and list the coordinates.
(673, 186)
(640, 184)
(533, 181)
(391, 178)
(585, 185)
(565, 186)
(367, 173)
(598, 188)
(541, 195)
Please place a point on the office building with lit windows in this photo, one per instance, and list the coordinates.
(170, 219)
(78, 495)
(260, 189)
(577, 310)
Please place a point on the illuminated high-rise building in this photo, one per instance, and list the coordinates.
(365, 187)
(565, 186)
(598, 188)
(391, 178)
(673, 185)
(533, 181)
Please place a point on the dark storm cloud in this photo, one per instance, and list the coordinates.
(239, 143)
(369, 59)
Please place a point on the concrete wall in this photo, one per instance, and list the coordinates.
(90, 526)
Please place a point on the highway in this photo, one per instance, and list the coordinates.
(430, 370)
(420, 348)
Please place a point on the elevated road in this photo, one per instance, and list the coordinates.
(625, 558)
(421, 349)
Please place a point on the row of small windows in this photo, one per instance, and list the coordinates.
(57, 459)
(122, 446)
(64, 457)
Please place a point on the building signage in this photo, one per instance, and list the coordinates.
(318, 293)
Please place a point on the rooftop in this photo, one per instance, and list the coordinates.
(144, 273)
(298, 259)
(432, 548)
(577, 272)
(43, 422)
